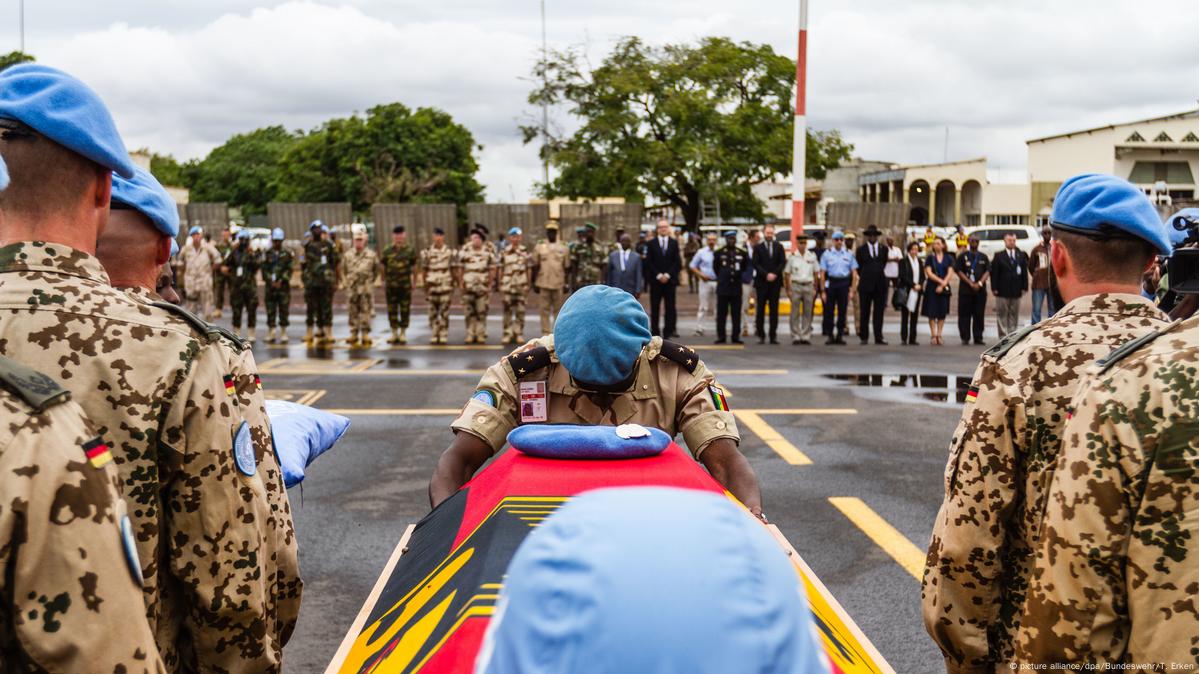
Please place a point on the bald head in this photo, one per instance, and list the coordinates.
(132, 250)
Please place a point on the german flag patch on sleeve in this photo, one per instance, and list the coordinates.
(972, 394)
(98, 452)
(229, 384)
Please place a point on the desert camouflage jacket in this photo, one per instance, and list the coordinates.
(361, 268)
(1000, 461)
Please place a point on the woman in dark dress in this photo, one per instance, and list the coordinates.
(938, 268)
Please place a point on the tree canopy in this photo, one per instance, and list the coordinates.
(12, 58)
(243, 172)
(685, 124)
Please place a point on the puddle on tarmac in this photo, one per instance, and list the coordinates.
(942, 388)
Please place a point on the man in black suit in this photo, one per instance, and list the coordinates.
(662, 264)
(872, 285)
(1009, 282)
(769, 260)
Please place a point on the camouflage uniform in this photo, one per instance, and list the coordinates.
(398, 265)
(198, 266)
(436, 265)
(197, 472)
(361, 268)
(276, 275)
(1000, 463)
(514, 288)
(587, 262)
(477, 268)
(318, 270)
(1117, 567)
(64, 568)
(221, 279)
(552, 261)
(243, 264)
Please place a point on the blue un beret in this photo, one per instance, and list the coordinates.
(1094, 204)
(66, 111)
(174, 248)
(1181, 225)
(196, 229)
(146, 195)
(613, 566)
(277, 234)
(599, 334)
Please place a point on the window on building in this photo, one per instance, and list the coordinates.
(1163, 137)
(1042, 220)
(1182, 195)
(1190, 138)
(1136, 137)
(973, 220)
(1173, 172)
(1006, 219)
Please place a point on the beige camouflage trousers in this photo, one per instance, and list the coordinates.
(439, 315)
(199, 298)
(550, 299)
(475, 306)
(514, 318)
(361, 310)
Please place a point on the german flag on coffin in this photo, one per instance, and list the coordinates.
(432, 608)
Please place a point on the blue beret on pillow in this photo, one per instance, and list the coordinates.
(650, 579)
(1096, 204)
(600, 333)
(146, 195)
(567, 441)
(66, 111)
(302, 433)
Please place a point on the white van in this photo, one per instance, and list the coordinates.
(990, 237)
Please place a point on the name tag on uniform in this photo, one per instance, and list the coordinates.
(239, 271)
(533, 407)
(324, 260)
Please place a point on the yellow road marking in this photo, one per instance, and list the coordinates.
(806, 410)
(311, 397)
(789, 452)
(883, 534)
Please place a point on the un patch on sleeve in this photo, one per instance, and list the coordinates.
(484, 396)
(243, 451)
(130, 546)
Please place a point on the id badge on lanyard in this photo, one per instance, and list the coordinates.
(533, 403)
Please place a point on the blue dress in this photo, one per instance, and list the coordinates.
(936, 305)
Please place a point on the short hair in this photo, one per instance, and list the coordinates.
(1113, 260)
(47, 179)
(751, 233)
(913, 244)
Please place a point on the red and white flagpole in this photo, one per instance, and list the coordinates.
(798, 163)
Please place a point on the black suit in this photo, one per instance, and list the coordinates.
(909, 281)
(659, 261)
(872, 289)
(769, 258)
(1009, 279)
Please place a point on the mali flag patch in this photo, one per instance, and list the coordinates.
(98, 452)
(718, 398)
(972, 394)
(229, 384)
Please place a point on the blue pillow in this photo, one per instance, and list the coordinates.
(567, 441)
(301, 434)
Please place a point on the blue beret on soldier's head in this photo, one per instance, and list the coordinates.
(195, 230)
(599, 334)
(143, 193)
(243, 234)
(316, 224)
(613, 566)
(277, 234)
(730, 232)
(1105, 207)
(64, 110)
(838, 235)
(1182, 225)
(515, 231)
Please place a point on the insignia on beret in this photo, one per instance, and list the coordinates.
(484, 396)
(525, 363)
(685, 356)
(130, 546)
(243, 451)
(38, 390)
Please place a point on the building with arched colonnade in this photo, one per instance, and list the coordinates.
(948, 194)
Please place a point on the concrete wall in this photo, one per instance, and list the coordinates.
(1059, 158)
(1005, 199)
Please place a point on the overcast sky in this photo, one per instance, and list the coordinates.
(182, 76)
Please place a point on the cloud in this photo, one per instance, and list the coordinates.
(183, 76)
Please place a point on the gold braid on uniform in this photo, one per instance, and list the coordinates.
(685, 356)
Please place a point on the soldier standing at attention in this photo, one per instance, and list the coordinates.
(588, 259)
(221, 279)
(436, 276)
(144, 377)
(551, 258)
(600, 367)
(361, 271)
(241, 268)
(399, 262)
(476, 277)
(200, 260)
(318, 270)
(1005, 448)
(277, 264)
(1115, 571)
(514, 287)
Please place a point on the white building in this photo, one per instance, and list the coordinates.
(948, 194)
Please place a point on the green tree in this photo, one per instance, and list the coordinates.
(685, 124)
(12, 58)
(244, 171)
(825, 151)
(393, 154)
(170, 172)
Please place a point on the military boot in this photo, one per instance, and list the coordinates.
(395, 338)
(365, 339)
(270, 335)
(355, 340)
(308, 336)
(403, 336)
(236, 331)
(250, 335)
(282, 335)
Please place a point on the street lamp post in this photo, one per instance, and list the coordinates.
(798, 160)
(21, 16)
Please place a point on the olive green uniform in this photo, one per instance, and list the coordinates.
(1117, 565)
(220, 279)
(514, 289)
(1000, 463)
(587, 262)
(477, 267)
(436, 266)
(318, 270)
(277, 267)
(68, 562)
(398, 264)
(243, 263)
(552, 261)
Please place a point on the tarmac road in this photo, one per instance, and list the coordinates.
(860, 513)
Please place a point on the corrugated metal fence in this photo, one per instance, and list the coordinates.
(608, 217)
(418, 221)
(295, 218)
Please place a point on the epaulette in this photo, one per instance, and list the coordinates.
(525, 363)
(685, 356)
(38, 390)
(1127, 349)
(200, 324)
(1008, 343)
